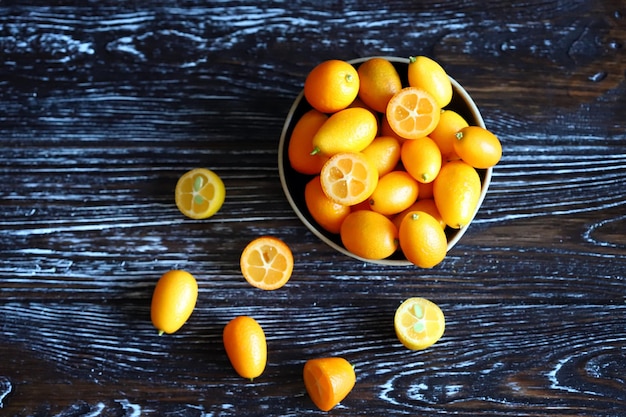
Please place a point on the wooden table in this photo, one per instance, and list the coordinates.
(103, 105)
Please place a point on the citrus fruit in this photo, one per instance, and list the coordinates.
(384, 151)
(386, 130)
(379, 81)
(199, 193)
(266, 263)
(328, 214)
(419, 323)
(421, 158)
(422, 239)
(444, 134)
(301, 143)
(369, 235)
(246, 347)
(478, 147)
(173, 300)
(349, 178)
(348, 130)
(328, 381)
(426, 205)
(427, 74)
(456, 191)
(395, 192)
(426, 190)
(412, 113)
(331, 86)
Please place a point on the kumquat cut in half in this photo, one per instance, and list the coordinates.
(419, 323)
(328, 381)
(199, 193)
(349, 178)
(267, 263)
(413, 113)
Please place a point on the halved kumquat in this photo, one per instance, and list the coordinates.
(419, 323)
(328, 381)
(199, 193)
(413, 113)
(267, 263)
(349, 178)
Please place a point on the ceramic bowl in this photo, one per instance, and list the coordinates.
(293, 182)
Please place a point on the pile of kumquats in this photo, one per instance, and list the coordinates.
(391, 166)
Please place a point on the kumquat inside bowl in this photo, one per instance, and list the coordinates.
(349, 231)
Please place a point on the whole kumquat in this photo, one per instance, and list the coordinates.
(456, 191)
(427, 74)
(266, 263)
(331, 86)
(173, 300)
(301, 143)
(395, 192)
(349, 130)
(379, 81)
(369, 235)
(426, 205)
(413, 113)
(419, 323)
(325, 211)
(444, 135)
(349, 178)
(384, 152)
(328, 381)
(422, 239)
(246, 346)
(421, 158)
(478, 147)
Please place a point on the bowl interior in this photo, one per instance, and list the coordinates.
(293, 182)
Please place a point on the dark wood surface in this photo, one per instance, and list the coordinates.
(103, 105)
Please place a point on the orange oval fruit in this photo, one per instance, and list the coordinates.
(426, 205)
(395, 192)
(413, 113)
(328, 214)
(384, 151)
(478, 147)
(419, 323)
(444, 134)
(427, 74)
(199, 193)
(266, 263)
(348, 130)
(173, 300)
(456, 191)
(379, 81)
(246, 346)
(422, 240)
(331, 86)
(328, 381)
(369, 235)
(421, 158)
(301, 143)
(348, 178)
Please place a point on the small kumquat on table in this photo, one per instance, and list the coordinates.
(173, 301)
(328, 381)
(246, 346)
(419, 323)
(267, 263)
(199, 193)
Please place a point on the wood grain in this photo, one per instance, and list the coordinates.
(104, 105)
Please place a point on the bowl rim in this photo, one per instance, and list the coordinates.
(314, 228)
